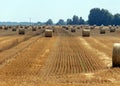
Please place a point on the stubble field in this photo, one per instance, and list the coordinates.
(65, 59)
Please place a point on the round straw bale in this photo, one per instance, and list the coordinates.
(117, 26)
(26, 27)
(44, 26)
(6, 28)
(39, 27)
(21, 31)
(86, 32)
(9, 27)
(116, 55)
(33, 28)
(73, 30)
(48, 33)
(13, 29)
(0, 27)
(102, 30)
(67, 28)
(81, 26)
(112, 29)
(92, 27)
(63, 26)
(53, 29)
(78, 27)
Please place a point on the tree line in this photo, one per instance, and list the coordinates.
(96, 16)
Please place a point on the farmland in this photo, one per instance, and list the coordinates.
(65, 59)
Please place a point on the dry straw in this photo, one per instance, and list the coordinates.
(116, 55)
(21, 31)
(33, 28)
(73, 30)
(86, 32)
(14, 29)
(112, 29)
(102, 30)
(48, 32)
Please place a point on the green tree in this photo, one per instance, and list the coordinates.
(61, 22)
(116, 19)
(94, 16)
(106, 17)
(49, 22)
(99, 16)
(75, 20)
(69, 21)
(39, 23)
(81, 21)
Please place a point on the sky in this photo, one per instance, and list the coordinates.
(42, 10)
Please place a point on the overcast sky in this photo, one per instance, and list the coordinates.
(42, 10)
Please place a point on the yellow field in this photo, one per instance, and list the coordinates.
(66, 59)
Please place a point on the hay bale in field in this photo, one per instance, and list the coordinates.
(81, 26)
(0, 27)
(53, 29)
(9, 27)
(92, 27)
(33, 28)
(67, 28)
(117, 26)
(39, 27)
(21, 31)
(48, 33)
(6, 28)
(17, 26)
(21, 26)
(116, 55)
(78, 27)
(73, 30)
(44, 26)
(14, 29)
(102, 30)
(112, 29)
(26, 27)
(63, 26)
(86, 32)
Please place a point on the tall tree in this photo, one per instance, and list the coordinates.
(116, 19)
(49, 22)
(94, 16)
(61, 22)
(75, 20)
(69, 21)
(99, 16)
(106, 17)
(81, 21)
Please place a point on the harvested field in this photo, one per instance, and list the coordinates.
(65, 59)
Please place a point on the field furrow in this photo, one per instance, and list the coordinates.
(65, 59)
